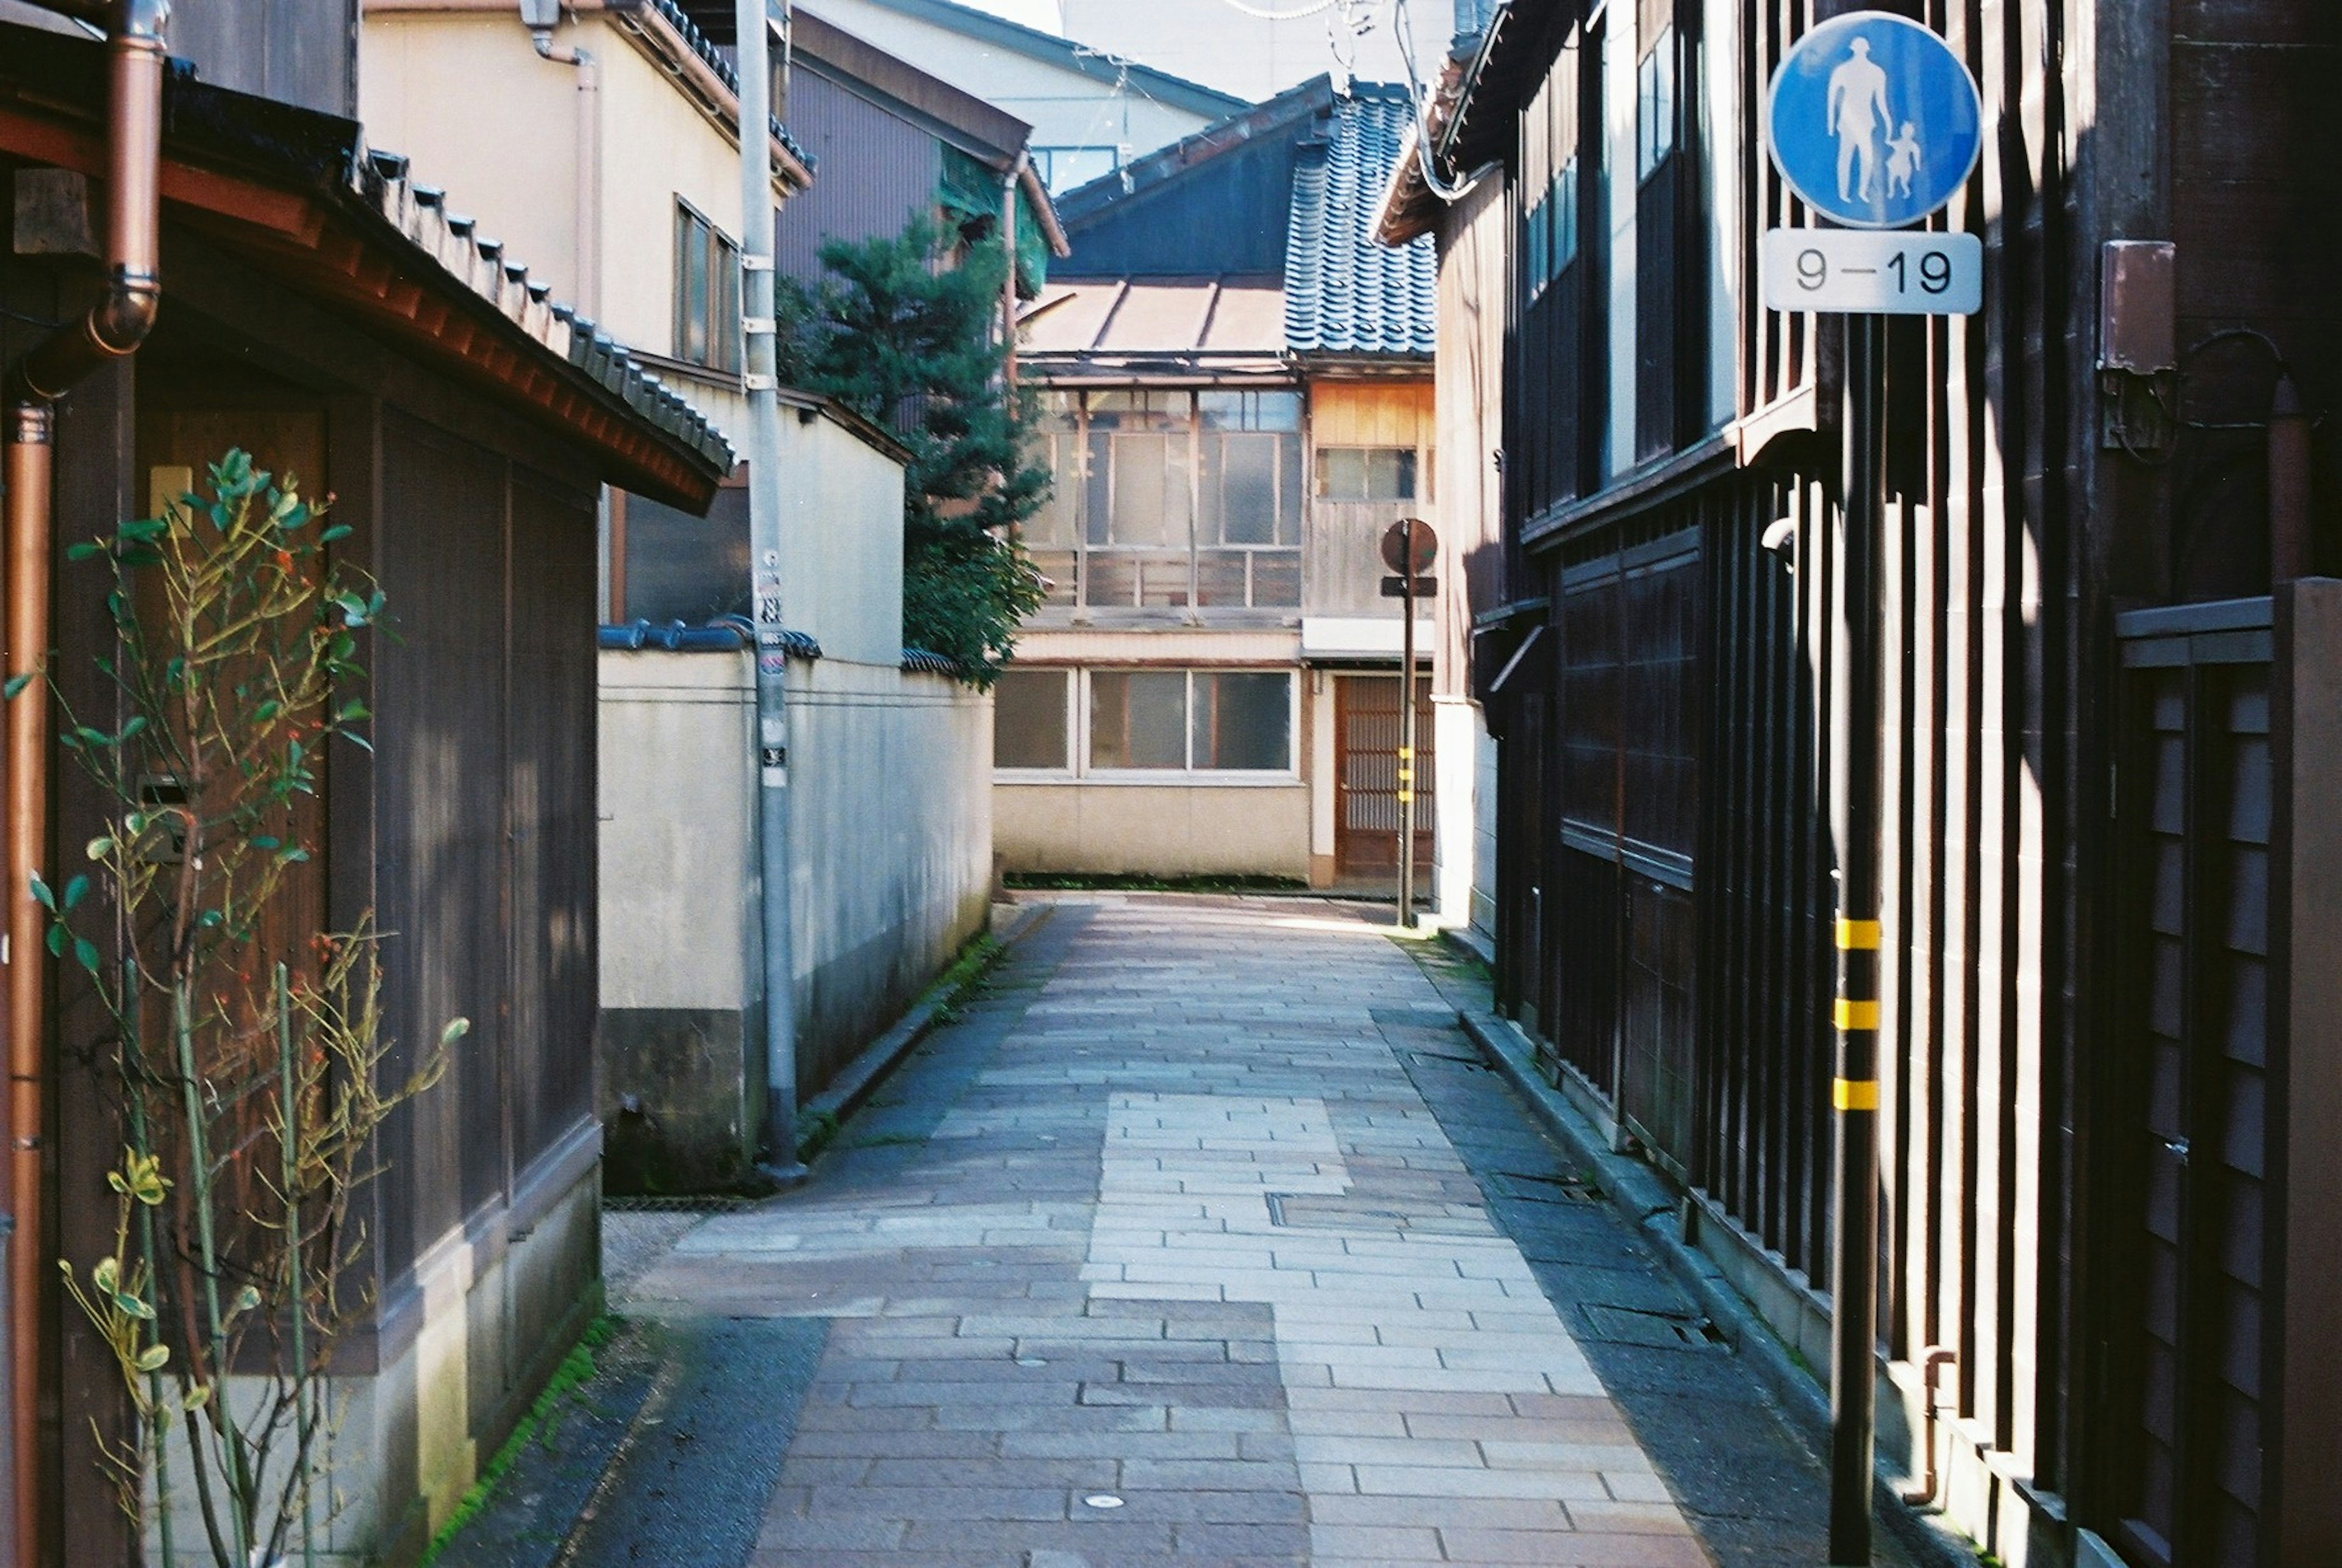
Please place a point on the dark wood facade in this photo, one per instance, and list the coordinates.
(299, 328)
(2087, 1134)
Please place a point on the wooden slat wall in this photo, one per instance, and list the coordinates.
(1373, 413)
(1981, 576)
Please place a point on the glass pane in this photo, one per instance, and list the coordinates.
(1244, 491)
(1342, 472)
(1264, 411)
(726, 345)
(1139, 719)
(684, 568)
(1028, 719)
(1243, 722)
(1152, 502)
(692, 288)
(1097, 481)
(1055, 523)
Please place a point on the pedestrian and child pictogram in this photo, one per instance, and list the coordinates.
(1875, 121)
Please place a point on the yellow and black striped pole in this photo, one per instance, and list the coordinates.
(1854, 1087)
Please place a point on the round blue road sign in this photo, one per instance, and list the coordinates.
(1874, 121)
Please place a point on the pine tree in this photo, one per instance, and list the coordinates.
(902, 333)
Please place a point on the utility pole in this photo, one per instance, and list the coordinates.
(1406, 732)
(1854, 1090)
(762, 379)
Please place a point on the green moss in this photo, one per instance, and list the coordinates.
(1135, 882)
(576, 1369)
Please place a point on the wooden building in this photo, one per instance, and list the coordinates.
(1239, 401)
(345, 325)
(2109, 1115)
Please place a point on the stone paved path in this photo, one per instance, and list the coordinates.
(1162, 1256)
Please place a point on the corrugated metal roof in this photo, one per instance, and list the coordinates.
(1181, 318)
(1344, 294)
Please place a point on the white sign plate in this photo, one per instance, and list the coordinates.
(1906, 272)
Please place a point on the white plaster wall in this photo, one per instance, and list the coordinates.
(842, 534)
(890, 815)
(1457, 854)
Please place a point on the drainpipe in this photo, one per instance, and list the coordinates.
(113, 329)
(540, 17)
(1932, 1360)
(1009, 186)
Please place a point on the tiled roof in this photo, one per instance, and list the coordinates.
(1343, 293)
(420, 213)
(713, 57)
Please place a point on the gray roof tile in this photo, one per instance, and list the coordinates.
(1344, 294)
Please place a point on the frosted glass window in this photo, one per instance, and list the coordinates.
(1029, 713)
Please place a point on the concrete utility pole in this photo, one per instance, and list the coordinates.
(756, 296)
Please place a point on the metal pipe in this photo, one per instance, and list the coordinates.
(1931, 1360)
(587, 201)
(1857, 749)
(1406, 728)
(756, 68)
(112, 329)
(1008, 194)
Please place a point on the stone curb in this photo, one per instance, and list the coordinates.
(1648, 1204)
(858, 1079)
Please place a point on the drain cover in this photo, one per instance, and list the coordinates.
(1651, 1330)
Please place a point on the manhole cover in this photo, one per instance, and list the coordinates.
(1303, 1211)
(1568, 1188)
(1651, 1330)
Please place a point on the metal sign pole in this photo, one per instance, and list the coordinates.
(1854, 1279)
(1407, 736)
(757, 299)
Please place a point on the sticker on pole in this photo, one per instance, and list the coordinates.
(1874, 121)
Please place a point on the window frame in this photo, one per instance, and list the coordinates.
(1069, 687)
(720, 316)
(1081, 771)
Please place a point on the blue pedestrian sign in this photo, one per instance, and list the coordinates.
(1874, 121)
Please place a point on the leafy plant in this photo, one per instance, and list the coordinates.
(907, 342)
(248, 1044)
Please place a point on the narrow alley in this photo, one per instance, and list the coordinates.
(1204, 1235)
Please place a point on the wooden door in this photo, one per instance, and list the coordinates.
(1365, 782)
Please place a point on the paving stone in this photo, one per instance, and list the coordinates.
(1183, 1157)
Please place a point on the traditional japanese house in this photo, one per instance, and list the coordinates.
(2107, 1100)
(347, 325)
(1239, 397)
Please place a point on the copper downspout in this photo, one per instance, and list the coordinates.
(1932, 1360)
(113, 328)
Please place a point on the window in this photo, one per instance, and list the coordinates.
(1655, 105)
(1031, 720)
(1168, 500)
(1195, 721)
(1366, 472)
(1063, 168)
(1136, 724)
(707, 292)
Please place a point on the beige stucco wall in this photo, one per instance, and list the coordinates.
(464, 94)
(1162, 829)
